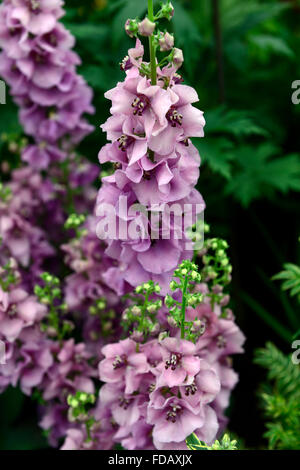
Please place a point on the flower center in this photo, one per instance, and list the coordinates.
(174, 361)
(173, 412)
(124, 403)
(177, 78)
(221, 342)
(126, 64)
(39, 57)
(34, 6)
(139, 105)
(191, 389)
(120, 361)
(124, 142)
(174, 117)
(51, 39)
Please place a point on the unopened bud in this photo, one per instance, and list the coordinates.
(154, 330)
(136, 310)
(178, 57)
(225, 301)
(152, 308)
(166, 42)
(217, 289)
(137, 336)
(146, 27)
(131, 28)
(172, 322)
(167, 11)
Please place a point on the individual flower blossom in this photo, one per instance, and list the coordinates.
(27, 360)
(180, 364)
(122, 363)
(175, 420)
(125, 408)
(70, 372)
(18, 310)
(23, 241)
(206, 433)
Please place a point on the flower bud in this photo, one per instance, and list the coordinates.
(162, 336)
(146, 27)
(137, 336)
(131, 28)
(217, 289)
(167, 10)
(178, 57)
(199, 327)
(154, 330)
(136, 310)
(225, 301)
(229, 314)
(172, 322)
(152, 308)
(166, 42)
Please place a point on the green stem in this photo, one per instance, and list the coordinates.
(152, 46)
(183, 306)
(144, 308)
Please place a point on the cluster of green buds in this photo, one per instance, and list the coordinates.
(75, 222)
(196, 234)
(194, 443)
(146, 27)
(141, 315)
(14, 142)
(216, 271)
(5, 193)
(9, 275)
(186, 276)
(80, 405)
(162, 40)
(50, 294)
(107, 317)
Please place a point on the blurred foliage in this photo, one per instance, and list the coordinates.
(280, 398)
(250, 154)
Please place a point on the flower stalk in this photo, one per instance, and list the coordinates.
(152, 45)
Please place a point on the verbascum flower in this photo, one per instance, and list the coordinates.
(39, 65)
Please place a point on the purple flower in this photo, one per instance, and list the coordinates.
(40, 66)
(180, 364)
(123, 363)
(174, 421)
(18, 310)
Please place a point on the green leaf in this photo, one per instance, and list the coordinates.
(217, 153)
(268, 43)
(238, 123)
(260, 174)
(291, 278)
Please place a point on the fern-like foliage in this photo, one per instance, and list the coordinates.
(194, 443)
(280, 398)
(291, 279)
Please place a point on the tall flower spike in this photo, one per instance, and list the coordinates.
(156, 165)
(38, 63)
